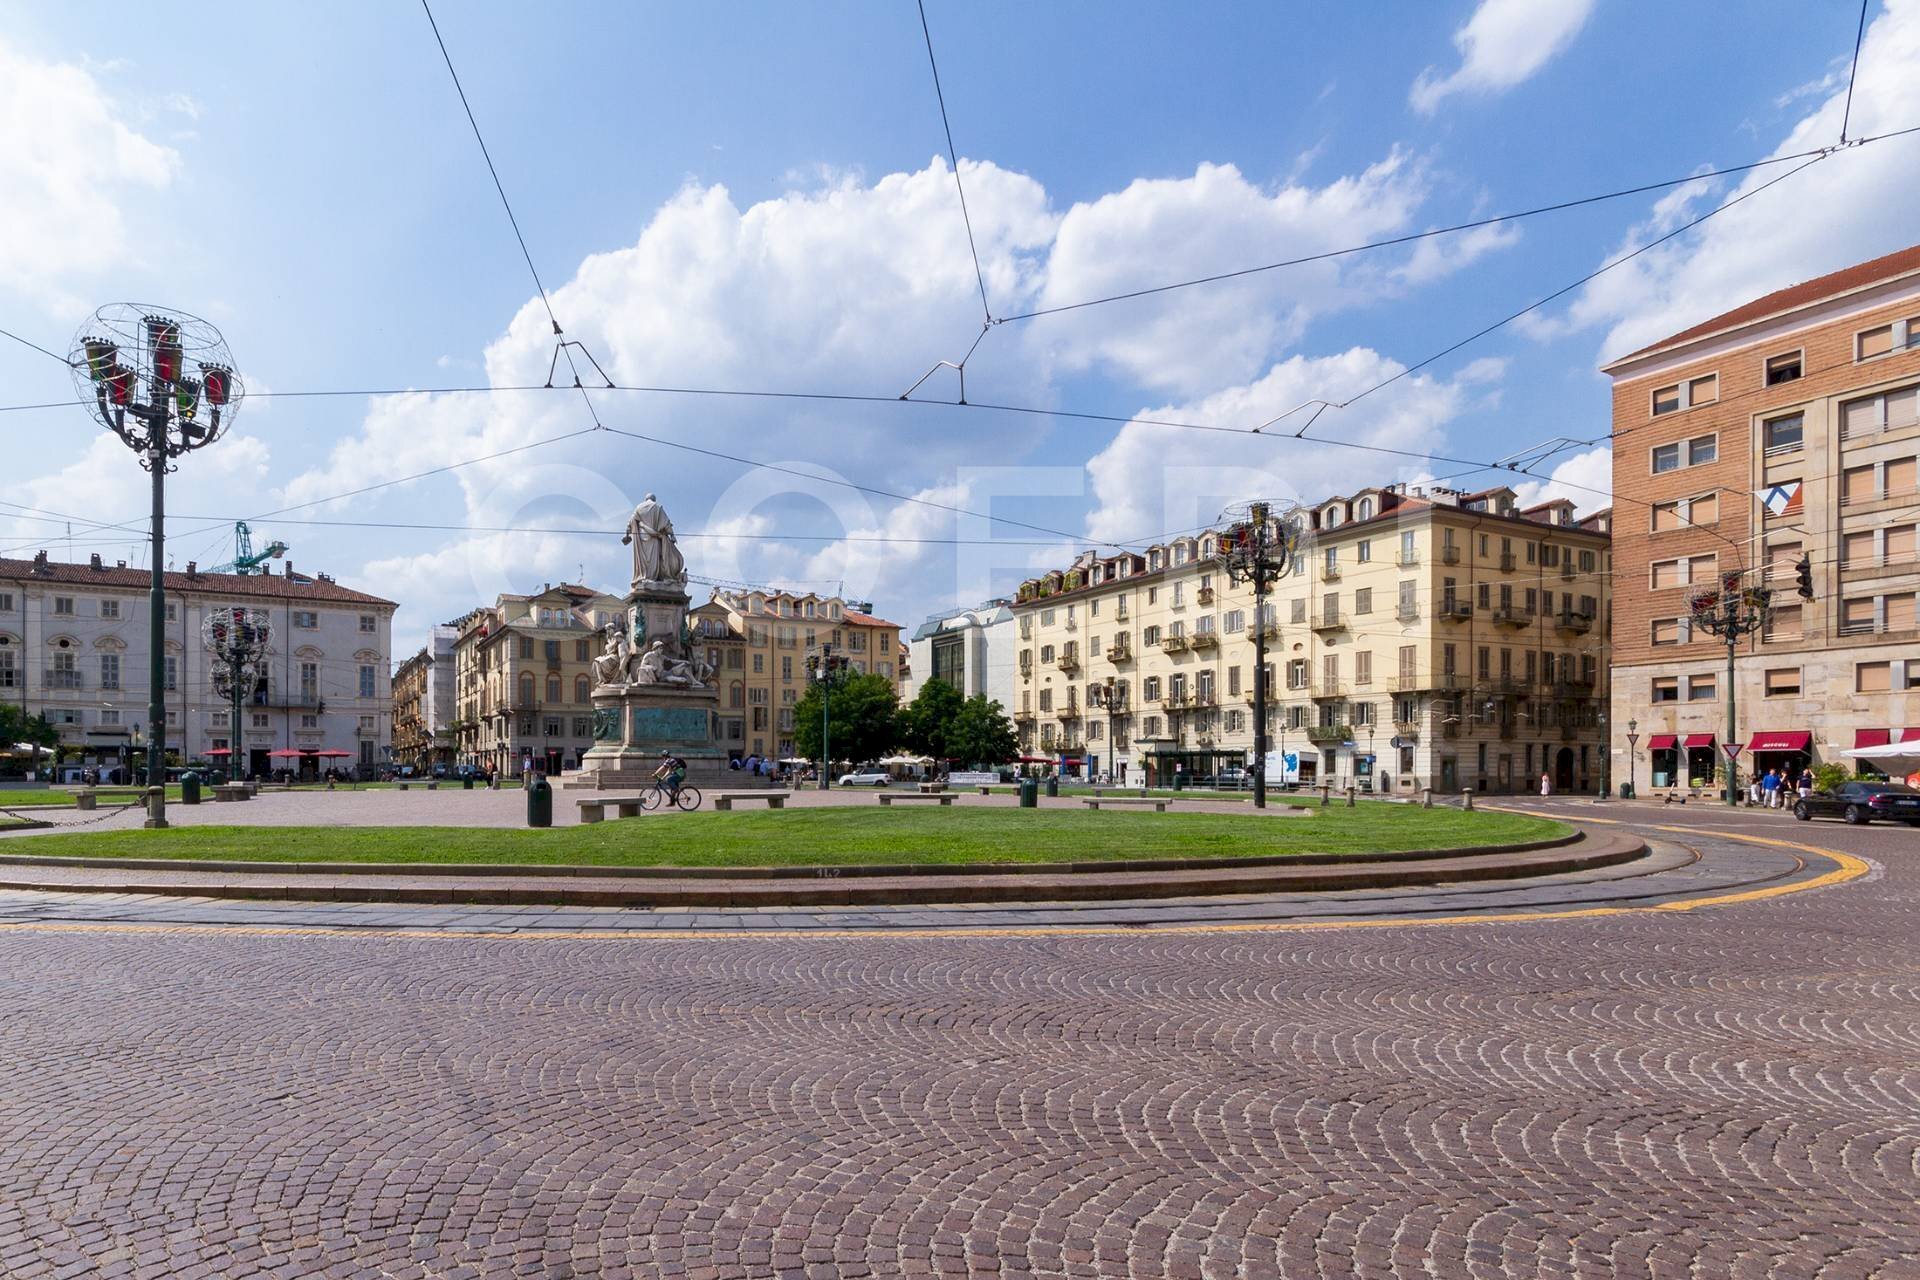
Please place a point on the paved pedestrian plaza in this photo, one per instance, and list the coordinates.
(1715, 1073)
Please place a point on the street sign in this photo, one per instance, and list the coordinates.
(1732, 749)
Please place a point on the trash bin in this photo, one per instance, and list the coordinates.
(190, 787)
(1053, 784)
(539, 802)
(1029, 793)
(1179, 779)
(466, 782)
(1626, 791)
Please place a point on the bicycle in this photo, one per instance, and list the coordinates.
(686, 801)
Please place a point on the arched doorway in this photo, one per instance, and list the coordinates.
(1563, 770)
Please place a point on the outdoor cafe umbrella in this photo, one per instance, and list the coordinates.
(334, 753)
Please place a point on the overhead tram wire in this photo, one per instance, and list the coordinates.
(498, 186)
(979, 276)
(1453, 229)
(1853, 73)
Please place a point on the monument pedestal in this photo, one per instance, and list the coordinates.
(656, 711)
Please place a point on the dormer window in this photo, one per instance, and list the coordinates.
(1330, 517)
(1365, 510)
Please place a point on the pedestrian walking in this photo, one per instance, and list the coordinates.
(1770, 788)
(1546, 786)
(1753, 791)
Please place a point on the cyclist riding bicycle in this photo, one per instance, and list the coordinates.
(671, 773)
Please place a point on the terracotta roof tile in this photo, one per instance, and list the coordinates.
(258, 585)
(854, 617)
(1900, 263)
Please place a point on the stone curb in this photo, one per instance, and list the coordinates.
(851, 870)
(831, 887)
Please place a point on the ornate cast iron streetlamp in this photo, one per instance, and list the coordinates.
(826, 669)
(131, 362)
(1730, 613)
(238, 639)
(1255, 550)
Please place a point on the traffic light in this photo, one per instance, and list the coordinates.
(1803, 577)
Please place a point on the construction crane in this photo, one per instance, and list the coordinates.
(245, 559)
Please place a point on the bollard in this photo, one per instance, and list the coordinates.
(156, 808)
(1426, 797)
(85, 800)
(1350, 791)
(539, 802)
(1326, 794)
(190, 787)
(1468, 795)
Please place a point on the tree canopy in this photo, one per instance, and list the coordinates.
(981, 733)
(864, 711)
(927, 723)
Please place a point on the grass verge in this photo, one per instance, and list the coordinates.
(829, 836)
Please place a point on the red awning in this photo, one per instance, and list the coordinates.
(217, 751)
(1661, 742)
(1910, 735)
(1698, 740)
(1871, 738)
(1785, 740)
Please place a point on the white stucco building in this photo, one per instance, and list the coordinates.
(974, 650)
(74, 646)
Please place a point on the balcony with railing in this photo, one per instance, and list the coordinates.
(1507, 615)
(1406, 612)
(1173, 644)
(1327, 734)
(1409, 558)
(1023, 715)
(1069, 710)
(1121, 650)
(1204, 595)
(1327, 690)
(1508, 562)
(1329, 572)
(1068, 661)
(1454, 610)
(1328, 620)
(1567, 572)
(1449, 554)
(63, 680)
(1206, 639)
(1573, 623)
(1268, 630)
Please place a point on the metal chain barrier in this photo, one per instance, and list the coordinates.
(100, 816)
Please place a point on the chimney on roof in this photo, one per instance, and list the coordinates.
(193, 568)
(119, 564)
(287, 568)
(94, 560)
(40, 563)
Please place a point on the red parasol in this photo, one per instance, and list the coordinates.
(285, 753)
(217, 751)
(334, 754)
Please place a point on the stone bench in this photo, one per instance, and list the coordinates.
(933, 788)
(938, 797)
(85, 799)
(985, 791)
(774, 799)
(596, 810)
(1159, 803)
(226, 791)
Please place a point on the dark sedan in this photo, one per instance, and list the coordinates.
(1859, 802)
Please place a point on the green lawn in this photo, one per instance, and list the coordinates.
(116, 796)
(838, 835)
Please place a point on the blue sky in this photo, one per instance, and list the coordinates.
(761, 199)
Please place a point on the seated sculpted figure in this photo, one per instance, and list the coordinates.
(611, 666)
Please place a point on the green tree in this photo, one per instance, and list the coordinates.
(981, 733)
(17, 727)
(927, 723)
(865, 713)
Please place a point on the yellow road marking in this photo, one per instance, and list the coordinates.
(1846, 867)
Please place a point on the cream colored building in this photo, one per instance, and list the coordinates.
(759, 641)
(523, 677)
(1421, 638)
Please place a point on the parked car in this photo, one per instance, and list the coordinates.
(1860, 802)
(865, 778)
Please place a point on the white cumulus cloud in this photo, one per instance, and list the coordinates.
(1503, 44)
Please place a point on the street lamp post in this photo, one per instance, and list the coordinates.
(1113, 747)
(1730, 613)
(1254, 551)
(238, 639)
(825, 668)
(130, 362)
(1633, 740)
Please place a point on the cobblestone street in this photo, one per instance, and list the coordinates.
(1730, 1090)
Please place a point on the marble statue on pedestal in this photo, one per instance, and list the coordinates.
(657, 561)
